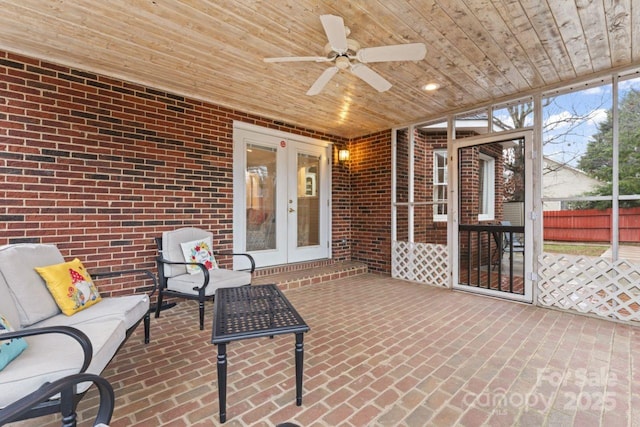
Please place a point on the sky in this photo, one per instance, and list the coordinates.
(572, 118)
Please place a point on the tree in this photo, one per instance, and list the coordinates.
(597, 160)
(520, 116)
(513, 188)
(514, 166)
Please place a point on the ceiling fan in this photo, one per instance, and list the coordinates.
(346, 53)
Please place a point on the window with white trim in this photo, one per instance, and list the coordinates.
(486, 188)
(440, 185)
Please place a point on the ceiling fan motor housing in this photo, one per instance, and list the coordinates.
(352, 48)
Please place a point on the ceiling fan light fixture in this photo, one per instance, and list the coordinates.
(342, 62)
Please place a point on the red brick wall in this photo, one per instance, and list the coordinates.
(341, 207)
(469, 195)
(426, 229)
(402, 184)
(371, 200)
(99, 166)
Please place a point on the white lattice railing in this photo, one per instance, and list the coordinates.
(590, 285)
(420, 262)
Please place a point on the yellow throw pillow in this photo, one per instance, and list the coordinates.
(70, 285)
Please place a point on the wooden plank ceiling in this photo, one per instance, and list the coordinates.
(213, 50)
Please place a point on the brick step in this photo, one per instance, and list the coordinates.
(293, 276)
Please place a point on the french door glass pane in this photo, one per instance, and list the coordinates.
(261, 198)
(308, 200)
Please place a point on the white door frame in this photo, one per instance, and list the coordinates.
(239, 192)
(529, 219)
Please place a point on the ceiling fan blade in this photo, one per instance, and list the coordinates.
(368, 75)
(398, 52)
(322, 81)
(334, 28)
(299, 59)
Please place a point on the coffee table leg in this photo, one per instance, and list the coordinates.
(222, 381)
(299, 360)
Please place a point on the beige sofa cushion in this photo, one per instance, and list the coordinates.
(128, 308)
(7, 306)
(29, 292)
(63, 357)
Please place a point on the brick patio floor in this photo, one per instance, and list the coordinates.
(384, 352)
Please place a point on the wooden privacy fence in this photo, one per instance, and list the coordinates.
(591, 225)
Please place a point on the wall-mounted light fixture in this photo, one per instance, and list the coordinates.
(343, 155)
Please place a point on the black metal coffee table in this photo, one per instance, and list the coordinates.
(252, 312)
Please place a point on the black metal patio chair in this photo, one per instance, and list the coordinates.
(187, 268)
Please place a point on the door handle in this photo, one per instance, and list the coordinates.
(291, 210)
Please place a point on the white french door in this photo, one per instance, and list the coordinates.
(281, 196)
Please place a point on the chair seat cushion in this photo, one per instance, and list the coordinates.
(63, 357)
(218, 278)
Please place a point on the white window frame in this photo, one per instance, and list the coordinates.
(436, 183)
(488, 196)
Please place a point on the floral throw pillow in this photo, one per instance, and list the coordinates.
(9, 349)
(199, 251)
(70, 285)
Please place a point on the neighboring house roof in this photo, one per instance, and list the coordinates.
(474, 122)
